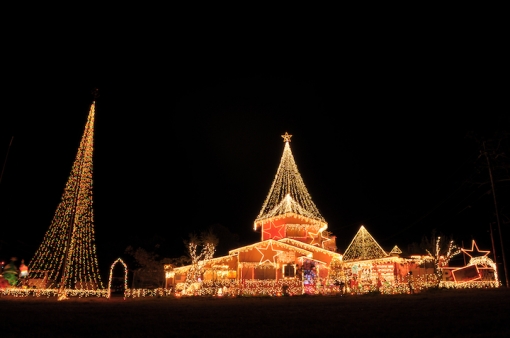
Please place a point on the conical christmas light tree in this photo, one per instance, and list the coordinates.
(288, 211)
(67, 258)
(363, 246)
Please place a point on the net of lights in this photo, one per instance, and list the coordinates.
(288, 182)
(363, 246)
(67, 258)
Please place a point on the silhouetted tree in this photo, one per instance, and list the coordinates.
(148, 271)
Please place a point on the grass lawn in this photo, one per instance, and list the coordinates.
(441, 313)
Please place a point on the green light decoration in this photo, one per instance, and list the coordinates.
(67, 259)
(363, 246)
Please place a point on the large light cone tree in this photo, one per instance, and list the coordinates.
(67, 258)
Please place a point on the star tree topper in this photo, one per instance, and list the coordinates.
(286, 137)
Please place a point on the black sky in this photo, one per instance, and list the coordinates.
(187, 135)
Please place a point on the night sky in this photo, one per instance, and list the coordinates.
(187, 137)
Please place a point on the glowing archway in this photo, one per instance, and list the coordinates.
(485, 261)
(119, 260)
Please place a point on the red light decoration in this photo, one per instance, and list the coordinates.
(475, 252)
(273, 231)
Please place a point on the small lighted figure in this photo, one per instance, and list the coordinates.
(23, 269)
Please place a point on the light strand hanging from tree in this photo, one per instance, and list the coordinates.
(67, 256)
(440, 259)
(208, 242)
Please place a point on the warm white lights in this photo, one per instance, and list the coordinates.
(67, 259)
(363, 246)
(288, 193)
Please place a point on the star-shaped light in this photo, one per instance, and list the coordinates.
(268, 254)
(273, 231)
(286, 137)
(324, 240)
(475, 253)
(316, 238)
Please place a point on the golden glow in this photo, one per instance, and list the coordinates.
(119, 260)
(317, 238)
(198, 260)
(268, 254)
(67, 258)
(281, 244)
(288, 193)
(441, 260)
(396, 250)
(363, 246)
(286, 137)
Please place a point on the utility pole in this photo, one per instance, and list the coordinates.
(497, 214)
(493, 246)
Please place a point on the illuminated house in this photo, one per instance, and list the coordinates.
(296, 248)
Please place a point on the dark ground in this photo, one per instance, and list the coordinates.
(446, 313)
